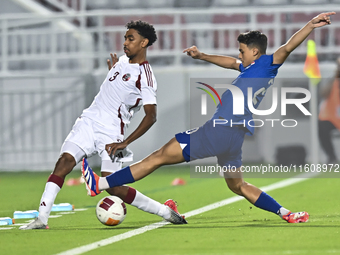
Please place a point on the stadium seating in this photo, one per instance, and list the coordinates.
(192, 3)
(318, 2)
(215, 29)
(221, 3)
(159, 3)
(271, 2)
(136, 4)
(226, 37)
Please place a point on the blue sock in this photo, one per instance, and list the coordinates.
(267, 203)
(123, 176)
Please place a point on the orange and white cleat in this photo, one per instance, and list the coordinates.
(175, 216)
(91, 179)
(296, 217)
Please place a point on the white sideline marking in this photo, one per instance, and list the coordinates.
(80, 209)
(117, 238)
(54, 216)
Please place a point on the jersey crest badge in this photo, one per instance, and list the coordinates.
(126, 77)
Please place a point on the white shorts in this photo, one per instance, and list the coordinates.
(90, 138)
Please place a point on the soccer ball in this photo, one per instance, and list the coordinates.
(111, 211)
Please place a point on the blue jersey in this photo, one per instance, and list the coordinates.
(259, 76)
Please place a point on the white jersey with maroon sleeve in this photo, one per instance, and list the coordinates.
(125, 89)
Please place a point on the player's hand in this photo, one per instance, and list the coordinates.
(193, 52)
(322, 19)
(111, 148)
(114, 60)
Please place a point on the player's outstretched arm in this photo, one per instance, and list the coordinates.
(319, 21)
(223, 61)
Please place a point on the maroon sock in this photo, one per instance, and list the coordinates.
(56, 179)
(130, 196)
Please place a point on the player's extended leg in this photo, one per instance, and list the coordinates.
(135, 198)
(167, 211)
(243, 188)
(54, 183)
(170, 153)
(129, 195)
(64, 166)
(260, 199)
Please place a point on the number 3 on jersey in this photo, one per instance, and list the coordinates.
(114, 76)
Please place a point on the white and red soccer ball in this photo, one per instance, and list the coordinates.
(111, 211)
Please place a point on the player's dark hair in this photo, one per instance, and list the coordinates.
(144, 29)
(254, 39)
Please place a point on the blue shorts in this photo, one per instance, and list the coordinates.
(221, 141)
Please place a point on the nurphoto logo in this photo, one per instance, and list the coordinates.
(251, 99)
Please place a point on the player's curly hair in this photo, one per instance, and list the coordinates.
(144, 29)
(254, 39)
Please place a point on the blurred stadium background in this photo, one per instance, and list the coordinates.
(53, 60)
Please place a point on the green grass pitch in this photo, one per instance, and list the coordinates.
(237, 228)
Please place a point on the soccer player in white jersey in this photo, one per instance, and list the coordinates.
(129, 85)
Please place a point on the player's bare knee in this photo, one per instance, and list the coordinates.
(158, 153)
(235, 187)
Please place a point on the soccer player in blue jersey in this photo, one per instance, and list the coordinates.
(225, 141)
